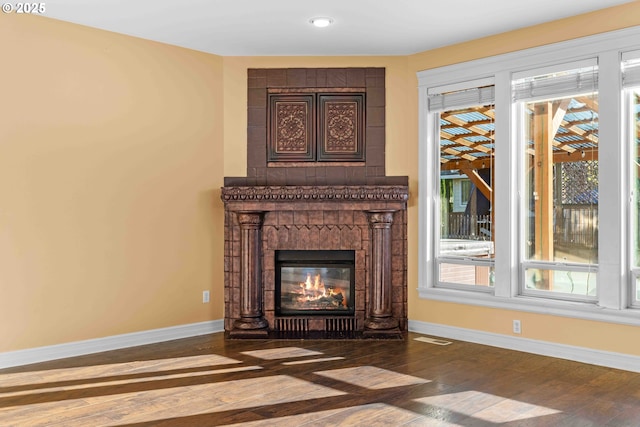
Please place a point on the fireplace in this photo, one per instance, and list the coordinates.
(315, 182)
(314, 282)
(350, 240)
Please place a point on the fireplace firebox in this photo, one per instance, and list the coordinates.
(315, 282)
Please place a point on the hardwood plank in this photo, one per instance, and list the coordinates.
(211, 381)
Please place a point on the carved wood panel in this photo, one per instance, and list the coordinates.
(291, 128)
(316, 127)
(341, 129)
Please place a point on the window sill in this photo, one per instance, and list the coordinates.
(576, 310)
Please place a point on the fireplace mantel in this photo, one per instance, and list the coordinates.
(358, 194)
(368, 219)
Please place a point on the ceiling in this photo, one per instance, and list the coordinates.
(281, 27)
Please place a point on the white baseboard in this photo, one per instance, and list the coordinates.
(561, 351)
(80, 348)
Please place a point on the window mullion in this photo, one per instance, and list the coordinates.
(613, 188)
(426, 266)
(505, 207)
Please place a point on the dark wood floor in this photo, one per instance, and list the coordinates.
(210, 381)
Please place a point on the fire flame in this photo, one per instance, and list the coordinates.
(314, 289)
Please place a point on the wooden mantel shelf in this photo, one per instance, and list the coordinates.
(264, 197)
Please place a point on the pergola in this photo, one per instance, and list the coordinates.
(564, 130)
(569, 129)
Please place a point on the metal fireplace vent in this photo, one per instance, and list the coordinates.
(299, 327)
(291, 324)
(340, 324)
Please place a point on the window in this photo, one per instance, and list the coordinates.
(631, 83)
(465, 192)
(558, 116)
(465, 131)
(549, 141)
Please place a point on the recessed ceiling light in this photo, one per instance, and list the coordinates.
(321, 21)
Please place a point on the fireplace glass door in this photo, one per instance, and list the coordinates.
(315, 283)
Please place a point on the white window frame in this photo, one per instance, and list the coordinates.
(518, 107)
(614, 276)
(434, 143)
(628, 134)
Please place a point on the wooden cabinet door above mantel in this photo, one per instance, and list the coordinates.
(316, 127)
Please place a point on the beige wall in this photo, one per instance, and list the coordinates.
(589, 334)
(112, 152)
(110, 169)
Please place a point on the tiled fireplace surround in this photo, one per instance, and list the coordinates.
(318, 206)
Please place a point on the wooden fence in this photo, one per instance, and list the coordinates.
(469, 227)
(574, 225)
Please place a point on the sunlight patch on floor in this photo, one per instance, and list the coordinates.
(371, 377)
(129, 381)
(281, 353)
(113, 369)
(365, 415)
(512, 410)
(487, 407)
(322, 359)
(166, 403)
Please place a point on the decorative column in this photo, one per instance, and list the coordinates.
(251, 322)
(380, 319)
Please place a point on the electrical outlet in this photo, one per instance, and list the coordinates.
(517, 327)
(205, 296)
